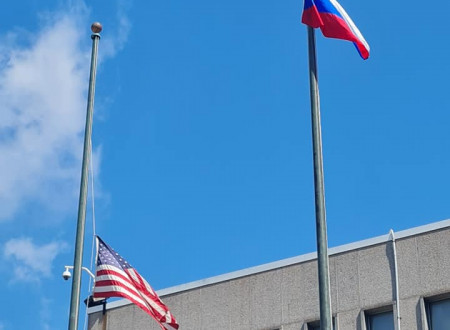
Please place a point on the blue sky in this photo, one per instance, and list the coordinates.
(202, 137)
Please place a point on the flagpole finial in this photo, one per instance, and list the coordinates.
(96, 27)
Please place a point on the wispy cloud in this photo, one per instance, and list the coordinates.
(31, 262)
(45, 313)
(43, 82)
(111, 46)
(42, 89)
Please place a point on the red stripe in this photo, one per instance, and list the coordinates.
(112, 272)
(145, 308)
(114, 283)
(123, 295)
(138, 289)
(335, 27)
(142, 288)
(311, 17)
(109, 281)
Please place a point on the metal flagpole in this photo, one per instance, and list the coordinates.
(321, 225)
(79, 241)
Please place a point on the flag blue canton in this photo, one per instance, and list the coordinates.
(107, 256)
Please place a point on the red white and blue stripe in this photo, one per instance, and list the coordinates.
(331, 18)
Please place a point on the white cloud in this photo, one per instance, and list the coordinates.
(110, 46)
(45, 313)
(43, 84)
(32, 262)
(42, 90)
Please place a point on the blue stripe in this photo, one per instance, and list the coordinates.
(308, 4)
(325, 6)
(356, 46)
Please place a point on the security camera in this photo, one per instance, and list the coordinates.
(66, 274)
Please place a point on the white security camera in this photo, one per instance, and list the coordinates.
(66, 274)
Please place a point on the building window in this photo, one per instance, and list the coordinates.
(438, 314)
(380, 321)
(316, 324)
(313, 327)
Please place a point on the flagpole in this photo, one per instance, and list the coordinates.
(79, 240)
(321, 225)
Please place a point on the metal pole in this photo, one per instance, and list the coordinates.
(321, 226)
(397, 290)
(79, 241)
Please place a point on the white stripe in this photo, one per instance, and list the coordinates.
(169, 317)
(149, 300)
(116, 288)
(113, 268)
(155, 306)
(149, 288)
(350, 23)
(116, 279)
(97, 249)
(133, 274)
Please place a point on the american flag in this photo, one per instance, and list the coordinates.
(115, 277)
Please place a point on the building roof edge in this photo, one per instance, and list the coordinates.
(284, 263)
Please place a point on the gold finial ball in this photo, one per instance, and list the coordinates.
(96, 27)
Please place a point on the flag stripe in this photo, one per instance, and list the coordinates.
(106, 284)
(118, 292)
(351, 24)
(112, 274)
(116, 278)
(334, 22)
(110, 290)
(327, 7)
(112, 282)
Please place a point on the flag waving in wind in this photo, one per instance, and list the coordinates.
(331, 18)
(115, 277)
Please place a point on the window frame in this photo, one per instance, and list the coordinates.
(428, 301)
(316, 323)
(376, 311)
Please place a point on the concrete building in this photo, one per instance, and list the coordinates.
(284, 294)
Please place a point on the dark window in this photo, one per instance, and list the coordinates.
(438, 314)
(316, 325)
(380, 321)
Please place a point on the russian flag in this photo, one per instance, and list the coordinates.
(331, 18)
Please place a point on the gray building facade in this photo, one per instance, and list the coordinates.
(396, 281)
